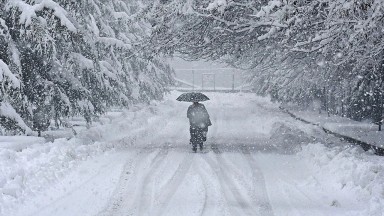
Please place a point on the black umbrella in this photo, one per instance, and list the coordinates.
(192, 97)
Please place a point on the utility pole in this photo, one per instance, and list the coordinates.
(202, 81)
(241, 82)
(193, 80)
(233, 82)
(214, 82)
(381, 110)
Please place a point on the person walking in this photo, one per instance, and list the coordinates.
(199, 122)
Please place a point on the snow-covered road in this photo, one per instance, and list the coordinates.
(166, 178)
(257, 161)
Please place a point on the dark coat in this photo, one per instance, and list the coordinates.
(198, 116)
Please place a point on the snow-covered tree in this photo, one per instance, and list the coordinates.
(79, 57)
(10, 92)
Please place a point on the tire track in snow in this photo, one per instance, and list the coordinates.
(229, 188)
(171, 186)
(213, 198)
(294, 195)
(260, 197)
(226, 191)
(144, 199)
(130, 200)
(121, 190)
(205, 198)
(144, 203)
(72, 191)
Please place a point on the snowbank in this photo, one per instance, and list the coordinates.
(27, 172)
(364, 131)
(348, 169)
(332, 177)
(17, 143)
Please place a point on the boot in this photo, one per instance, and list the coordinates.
(194, 149)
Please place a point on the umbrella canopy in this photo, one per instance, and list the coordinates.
(192, 97)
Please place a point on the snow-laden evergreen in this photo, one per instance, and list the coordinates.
(62, 57)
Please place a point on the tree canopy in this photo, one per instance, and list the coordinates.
(296, 51)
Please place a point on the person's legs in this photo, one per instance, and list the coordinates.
(200, 137)
(194, 139)
(205, 132)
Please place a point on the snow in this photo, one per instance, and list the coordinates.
(15, 55)
(141, 164)
(348, 170)
(266, 10)
(83, 62)
(86, 105)
(297, 189)
(363, 131)
(109, 41)
(217, 4)
(8, 111)
(95, 177)
(3, 28)
(18, 143)
(108, 70)
(120, 15)
(93, 26)
(6, 73)
(28, 12)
